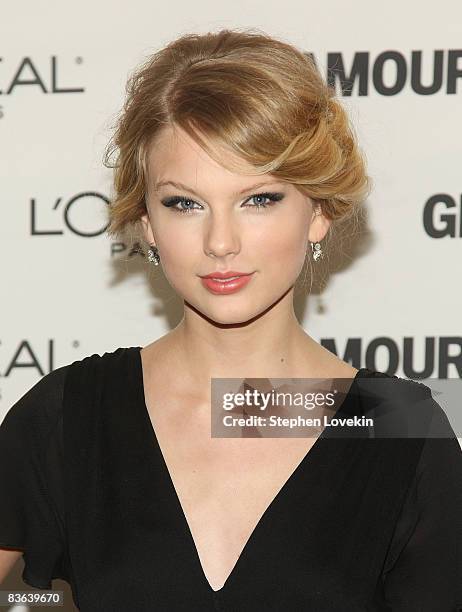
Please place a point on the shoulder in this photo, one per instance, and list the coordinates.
(88, 375)
(41, 405)
(402, 407)
(406, 409)
(114, 358)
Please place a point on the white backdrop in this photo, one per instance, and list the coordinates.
(68, 291)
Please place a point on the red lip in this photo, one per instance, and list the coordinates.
(224, 287)
(228, 274)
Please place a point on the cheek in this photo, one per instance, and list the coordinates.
(182, 257)
(177, 245)
(286, 243)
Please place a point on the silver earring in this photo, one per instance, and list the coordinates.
(317, 251)
(153, 255)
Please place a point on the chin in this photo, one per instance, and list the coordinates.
(233, 315)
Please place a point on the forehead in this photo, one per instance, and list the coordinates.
(174, 151)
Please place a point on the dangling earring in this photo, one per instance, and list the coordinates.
(318, 254)
(153, 255)
(316, 250)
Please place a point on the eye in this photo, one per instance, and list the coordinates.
(272, 197)
(188, 204)
(175, 200)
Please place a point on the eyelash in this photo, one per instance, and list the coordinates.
(174, 200)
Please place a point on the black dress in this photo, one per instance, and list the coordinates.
(361, 524)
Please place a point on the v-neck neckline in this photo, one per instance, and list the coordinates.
(309, 457)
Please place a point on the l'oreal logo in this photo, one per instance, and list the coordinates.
(43, 75)
(24, 356)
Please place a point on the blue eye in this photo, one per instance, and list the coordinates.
(272, 197)
(173, 202)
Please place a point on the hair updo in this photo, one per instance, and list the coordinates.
(243, 91)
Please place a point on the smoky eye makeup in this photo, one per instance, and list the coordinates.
(173, 202)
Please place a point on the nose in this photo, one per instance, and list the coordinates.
(221, 236)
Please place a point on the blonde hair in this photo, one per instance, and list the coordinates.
(246, 92)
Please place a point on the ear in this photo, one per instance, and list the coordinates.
(319, 225)
(147, 229)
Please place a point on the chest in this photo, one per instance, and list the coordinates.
(172, 521)
(224, 485)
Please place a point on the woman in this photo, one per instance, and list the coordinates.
(235, 159)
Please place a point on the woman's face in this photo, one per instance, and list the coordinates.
(228, 223)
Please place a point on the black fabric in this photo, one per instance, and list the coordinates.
(361, 525)
(31, 516)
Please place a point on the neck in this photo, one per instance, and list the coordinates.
(272, 345)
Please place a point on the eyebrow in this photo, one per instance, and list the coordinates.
(160, 184)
